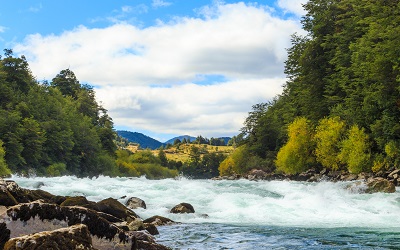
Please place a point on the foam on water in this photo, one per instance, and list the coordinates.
(242, 202)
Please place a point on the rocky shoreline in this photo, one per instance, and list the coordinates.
(36, 219)
(383, 181)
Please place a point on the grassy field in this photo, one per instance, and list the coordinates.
(181, 152)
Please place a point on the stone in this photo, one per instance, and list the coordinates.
(159, 221)
(182, 208)
(136, 225)
(115, 208)
(394, 172)
(380, 184)
(350, 177)
(257, 173)
(4, 234)
(28, 218)
(75, 201)
(135, 202)
(74, 237)
(6, 198)
(151, 228)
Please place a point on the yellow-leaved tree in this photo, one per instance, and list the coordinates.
(355, 151)
(296, 155)
(328, 136)
(234, 163)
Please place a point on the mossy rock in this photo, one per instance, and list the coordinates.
(182, 208)
(159, 221)
(115, 208)
(75, 201)
(7, 199)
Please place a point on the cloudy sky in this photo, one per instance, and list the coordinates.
(160, 67)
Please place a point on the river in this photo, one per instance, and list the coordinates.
(244, 214)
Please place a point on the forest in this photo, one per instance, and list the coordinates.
(340, 107)
(51, 128)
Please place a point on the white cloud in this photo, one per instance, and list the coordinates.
(209, 110)
(293, 6)
(160, 3)
(2, 29)
(243, 43)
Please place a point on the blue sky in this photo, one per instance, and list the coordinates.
(164, 68)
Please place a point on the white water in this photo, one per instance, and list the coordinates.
(240, 203)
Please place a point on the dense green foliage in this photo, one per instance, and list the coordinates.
(143, 163)
(345, 68)
(202, 164)
(52, 128)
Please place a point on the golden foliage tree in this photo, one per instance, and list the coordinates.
(296, 155)
(328, 136)
(355, 151)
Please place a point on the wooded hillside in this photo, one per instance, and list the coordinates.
(340, 108)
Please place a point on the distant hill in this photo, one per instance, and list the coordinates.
(143, 140)
(171, 141)
(226, 139)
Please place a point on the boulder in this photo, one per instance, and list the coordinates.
(74, 237)
(182, 208)
(4, 234)
(151, 228)
(256, 174)
(135, 202)
(6, 199)
(159, 221)
(349, 177)
(136, 225)
(28, 218)
(11, 194)
(115, 208)
(75, 201)
(380, 185)
(394, 174)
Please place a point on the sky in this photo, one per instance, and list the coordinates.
(160, 67)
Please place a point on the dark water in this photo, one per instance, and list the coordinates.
(219, 236)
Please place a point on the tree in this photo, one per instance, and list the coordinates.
(163, 158)
(177, 141)
(355, 151)
(296, 155)
(67, 83)
(328, 136)
(4, 170)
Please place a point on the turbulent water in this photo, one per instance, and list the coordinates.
(250, 215)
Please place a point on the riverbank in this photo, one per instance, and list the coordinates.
(245, 214)
(36, 219)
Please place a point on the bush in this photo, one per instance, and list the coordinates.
(328, 136)
(296, 155)
(56, 169)
(355, 151)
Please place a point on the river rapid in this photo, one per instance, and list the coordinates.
(244, 214)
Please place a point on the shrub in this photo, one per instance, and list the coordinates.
(328, 136)
(56, 169)
(355, 151)
(296, 155)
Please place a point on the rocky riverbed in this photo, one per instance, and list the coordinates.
(36, 219)
(383, 181)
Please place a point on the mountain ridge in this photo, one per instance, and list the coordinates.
(146, 141)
